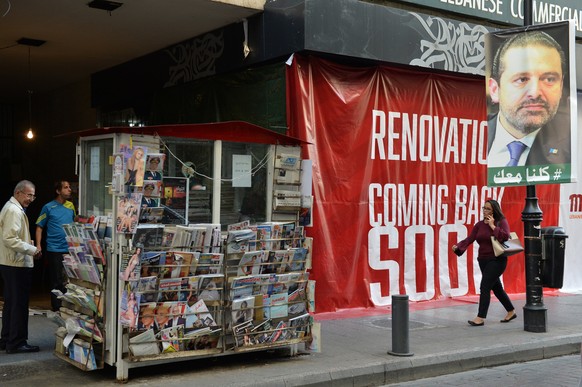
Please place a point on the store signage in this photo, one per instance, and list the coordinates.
(400, 175)
(511, 11)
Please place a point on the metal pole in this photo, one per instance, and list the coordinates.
(400, 326)
(534, 311)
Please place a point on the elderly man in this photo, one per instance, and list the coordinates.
(527, 81)
(16, 265)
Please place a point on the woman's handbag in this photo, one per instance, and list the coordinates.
(509, 247)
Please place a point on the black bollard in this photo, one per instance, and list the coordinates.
(400, 326)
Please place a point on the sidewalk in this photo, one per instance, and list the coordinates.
(354, 350)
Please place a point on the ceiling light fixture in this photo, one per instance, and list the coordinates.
(30, 134)
(30, 43)
(105, 5)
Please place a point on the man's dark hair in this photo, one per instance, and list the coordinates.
(59, 184)
(525, 39)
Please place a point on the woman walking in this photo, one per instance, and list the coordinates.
(492, 267)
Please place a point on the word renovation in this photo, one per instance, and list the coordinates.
(414, 137)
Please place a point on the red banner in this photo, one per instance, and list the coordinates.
(399, 175)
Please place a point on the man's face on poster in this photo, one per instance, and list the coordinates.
(529, 89)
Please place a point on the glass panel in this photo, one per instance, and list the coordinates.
(244, 203)
(197, 155)
(97, 177)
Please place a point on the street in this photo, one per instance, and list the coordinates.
(565, 371)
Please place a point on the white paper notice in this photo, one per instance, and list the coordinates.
(241, 170)
(94, 170)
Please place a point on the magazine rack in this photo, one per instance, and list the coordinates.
(180, 296)
(287, 198)
(266, 292)
(82, 342)
(123, 340)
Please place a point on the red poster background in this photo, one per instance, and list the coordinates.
(360, 264)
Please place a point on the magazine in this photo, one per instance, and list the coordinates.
(243, 286)
(134, 164)
(204, 338)
(168, 236)
(238, 226)
(243, 310)
(148, 235)
(169, 289)
(154, 167)
(251, 262)
(297, 262)
(287, 176)
(82, 266)
(280, 333)
(308, 245)
(298, 236)
(152, 263)
(208, 237)
(266, 307)
(147, 288)
(147, 312)
(144, 344)
(264, 237)
(188, 289)
(182, 237)
(170, 338)
(297, 302)
(128, 209)
(262, 332)
(130, 265)
(242, 334)
(198, 316)
(81, 296)
(277, 261)
(299, 326)
(129, 308)
(210, 287)
(287, 282)
(269, 265)
(209, 263)
(174, 200)
(278, 305)
(178, 264)
(238, 241)
(169, 314)
(200, 238)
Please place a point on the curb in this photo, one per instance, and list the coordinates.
(427, 366)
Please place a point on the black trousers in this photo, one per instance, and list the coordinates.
(56, 277)
(491, 270)
(17, 281)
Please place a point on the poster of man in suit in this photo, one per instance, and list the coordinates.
(531, 95)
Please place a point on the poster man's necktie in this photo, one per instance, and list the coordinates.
(516, 148)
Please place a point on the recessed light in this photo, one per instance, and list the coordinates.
(105, 5)
(31, 42)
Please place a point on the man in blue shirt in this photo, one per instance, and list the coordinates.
(52, 217)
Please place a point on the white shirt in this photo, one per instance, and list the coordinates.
(16, 248)
(499, 153)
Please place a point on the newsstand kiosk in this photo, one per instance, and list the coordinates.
(191, 246)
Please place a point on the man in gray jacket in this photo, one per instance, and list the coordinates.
(17, 253)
